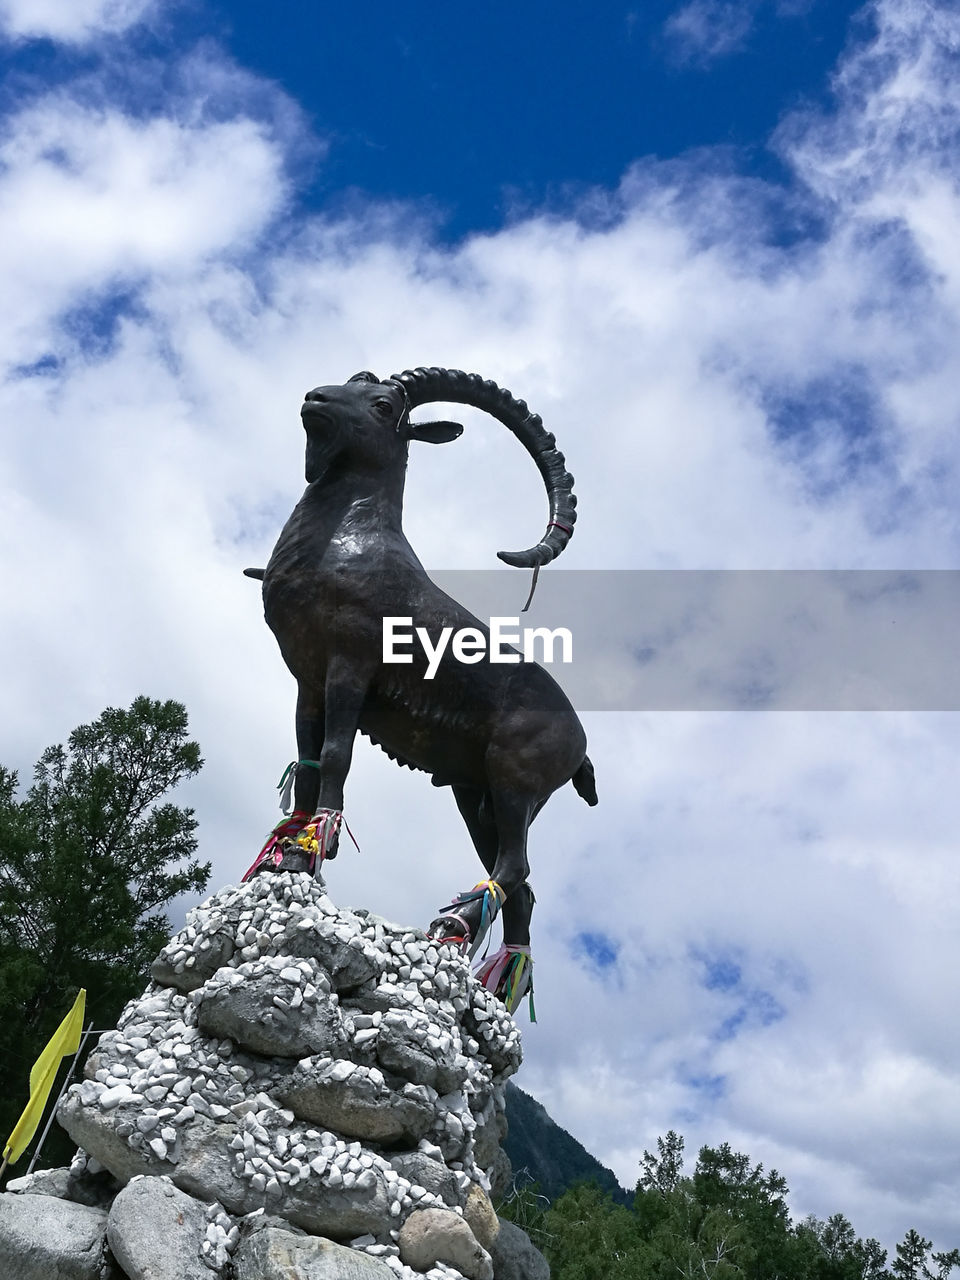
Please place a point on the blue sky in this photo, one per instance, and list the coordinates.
(488, 111)
(713, 243)
(480, 114)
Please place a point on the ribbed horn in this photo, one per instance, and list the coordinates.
(425, 385)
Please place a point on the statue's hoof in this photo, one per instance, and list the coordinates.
(294, 858)
(449, 929)
(467, 919)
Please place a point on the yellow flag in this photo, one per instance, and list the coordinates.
(65, 1040)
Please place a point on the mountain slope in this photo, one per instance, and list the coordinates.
(549, 1155)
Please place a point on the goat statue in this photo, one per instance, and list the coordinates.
(503, 736)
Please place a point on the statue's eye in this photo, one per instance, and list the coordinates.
(384, 408)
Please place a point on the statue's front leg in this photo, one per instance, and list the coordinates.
(344, 694)
(299, 787)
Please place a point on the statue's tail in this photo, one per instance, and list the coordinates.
(585, 782)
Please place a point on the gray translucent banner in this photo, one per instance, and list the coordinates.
(732, 640)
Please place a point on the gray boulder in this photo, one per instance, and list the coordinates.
(398, 1054)
(499, 1055)
(44, 1238)
(272, 1254)
(96, 1132)
(490, 1131)
(423, 1171)
(481, 1217)
(500, 1174)
(246, 1012)
(95, 1189)
(45, 1182)
(399, 1051)
(337, 949)
(515, 1257)
(206, 943)
(353, 1101)
(206, 1171)
(430, 1236)
(172, 971)
(155, 1232)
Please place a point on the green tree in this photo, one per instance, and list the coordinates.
(662, 1172)
(913, 1256)
(831, 1251)
(910, 1262)
(589, 1237)
(88, 860)
(727, 1221)
(945, 1263)
(737, 1192)
(871, 1260)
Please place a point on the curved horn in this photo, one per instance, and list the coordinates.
(424, 385)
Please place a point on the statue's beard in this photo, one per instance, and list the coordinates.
(318, 458)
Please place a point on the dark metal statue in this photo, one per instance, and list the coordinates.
(504, 737)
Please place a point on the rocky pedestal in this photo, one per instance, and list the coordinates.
(303, 1091)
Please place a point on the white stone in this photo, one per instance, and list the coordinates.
(111, 1098)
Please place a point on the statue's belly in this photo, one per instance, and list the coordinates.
(445, 751)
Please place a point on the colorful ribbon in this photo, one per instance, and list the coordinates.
(509, 975)
(287, 779)
(492, 897)
(319, 836)
(273, 848)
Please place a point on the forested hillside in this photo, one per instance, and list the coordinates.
(541, 1152)
(728, 1220)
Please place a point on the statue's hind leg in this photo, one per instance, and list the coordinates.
(508, 973)
(498, 830)
(517, 911)
(476, 809)
(462, 920)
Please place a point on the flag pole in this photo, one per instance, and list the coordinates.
(69, 1077)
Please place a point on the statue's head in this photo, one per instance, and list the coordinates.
(363, 426)
(365, 422)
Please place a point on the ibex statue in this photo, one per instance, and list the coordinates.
(504, 737)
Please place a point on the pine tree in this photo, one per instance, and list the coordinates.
(912, 1258)
(662, 1172)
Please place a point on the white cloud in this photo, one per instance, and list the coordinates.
(71, 21)
(93, 201)
(726, 398)
(704, 30)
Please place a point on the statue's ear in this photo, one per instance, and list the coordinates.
(433, 432)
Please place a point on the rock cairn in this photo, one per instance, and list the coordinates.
(302, 1091)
